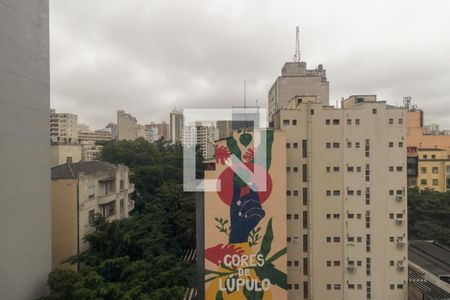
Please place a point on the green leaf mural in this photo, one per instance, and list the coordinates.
(266, 243)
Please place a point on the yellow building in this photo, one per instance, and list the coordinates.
(433, 169)
(79, 192)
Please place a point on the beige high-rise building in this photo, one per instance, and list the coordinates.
(126, 126)
(297, 80)
(79, 192)
(63, 127)
(162, 129)
(346, 198)
(176, 126)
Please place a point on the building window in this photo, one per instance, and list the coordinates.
(295, 169)
(349, 144)
(311, 111)
(305, 266)
(286, 122)
(335, 145)
(391, 144)
(305, 219)
(288, 193)
(295, 193)
(392, 286)
(400, 121)
(423, 181)
(122, 184)
(327, 121)
(288, 145)
(294, 122)
(336, 122)
(305, 243)
(304, 148)
(391, 169)
(435, 170)
(295, 145)
(288, 169)
(305, 196)
(305, 172)
(328, 145)
(357, 145)
(400, 144)
(391, 121)
(349, 169)
(435, 182)
(288, 216)
(374, 111)
(91, 217)
(357, 121)
(336, 193)
(305, 290)
(349, 121)
(399, 169)
(423, 170)
(91, 191)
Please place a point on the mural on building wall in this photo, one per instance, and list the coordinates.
(245, 230)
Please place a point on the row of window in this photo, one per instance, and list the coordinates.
(434, 170)
(338, 121)
(398, 169)
(296, 217)
(296, 240)
(391, 144)
(296, 286)
(434, 182)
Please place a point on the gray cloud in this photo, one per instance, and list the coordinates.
(149, 56)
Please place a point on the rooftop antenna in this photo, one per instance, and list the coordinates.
(245, 95)
(297, 45)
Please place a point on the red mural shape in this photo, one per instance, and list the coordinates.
(226, 183)
(217, 253)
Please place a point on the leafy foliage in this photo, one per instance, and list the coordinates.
(429, 215)
(137, 258)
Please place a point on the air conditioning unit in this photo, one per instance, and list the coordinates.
(400, 242)
(351, 266)
(399, 221)
(399, 198)
(400, 265)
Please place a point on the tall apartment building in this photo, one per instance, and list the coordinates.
(225, 129)
(25, 232)
(100, 135)
(63, 127)
(206, 137)
(126, 126)
(113, 128)
(162, 129)
(297, 80)
(346, 198)
(176, 126)
(79, 192)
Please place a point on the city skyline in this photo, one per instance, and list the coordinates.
(136, 58)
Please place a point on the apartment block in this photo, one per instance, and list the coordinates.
(176, 126)
(61, 153)
(63, 127)
(100, 135)
(433, 169)
(225, 129)
(296, 79)
(126, 126)
(162, 129)
(346, 198)
(90, 150)
(80, 191)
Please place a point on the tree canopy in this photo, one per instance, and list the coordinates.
(429, 215)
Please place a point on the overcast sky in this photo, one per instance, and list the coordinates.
(147, 57)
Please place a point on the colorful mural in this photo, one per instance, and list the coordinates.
(245, 229)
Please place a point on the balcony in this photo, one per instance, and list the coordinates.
(105, 199)
(130, 205)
